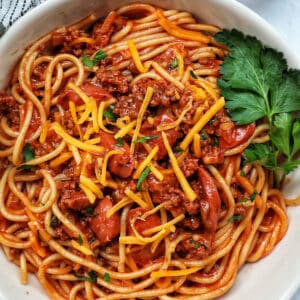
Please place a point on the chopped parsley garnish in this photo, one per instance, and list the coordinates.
(193, 74)
(242, 173)
(235, 218)
(97, 57)
(88, 212)
(106, 277)
(173, 64)
(144, 139)
(177, 150)
(143, 176)
(28, 154)
(203, 135)
(53, 221)
(213, 120)
(87, 61)
(216, 141)
(198, 245)
(80, 240)
(91, 278)
(257, 83)
(119, 142)
(108, 113)
(253, 195)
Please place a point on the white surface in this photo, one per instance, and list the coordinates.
(275, 277)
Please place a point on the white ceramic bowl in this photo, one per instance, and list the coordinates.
(276, 276)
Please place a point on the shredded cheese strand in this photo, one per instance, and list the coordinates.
(71, 140)
(136, 198)
(173, 273)
(104, 165)
(191, 195)
(91, 185)
(135, 56)
(202, 122)
(125, 130)
(145, 162)
(146, 101)
(125, 201)
(179, 32)
(81, 248)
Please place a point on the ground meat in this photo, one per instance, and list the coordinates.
(119, 194)
(199, 247)
(164, 94)
(73, 199)
(128, 106)
(51, 143)
(62, 40)
(68, 123)
(212, 155)
(112, 80)
(102, 31)
(189, 165)
(9, 108)
(149, 129)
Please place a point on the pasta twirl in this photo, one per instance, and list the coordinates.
(122, 176)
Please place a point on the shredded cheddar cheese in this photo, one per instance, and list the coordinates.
(104, 165)
(146, 101)
(136, 198)
(135, 56)
(90, 195)
(202, 122)
(81, 248)
(73, 141)
(191, 195)
(62, 158)
(125, 130)
(167, 126)
(174, 273)
(91, 185)
(45, 128)
(145, 163)
(179, 32)
(118, 206)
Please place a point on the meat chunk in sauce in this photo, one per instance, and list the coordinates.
(105, 229)
(119, 164)
(150, 130)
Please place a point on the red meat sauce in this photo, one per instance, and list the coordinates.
(201, 215)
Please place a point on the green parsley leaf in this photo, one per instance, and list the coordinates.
(53, 221)
(192, 73)
(80, 240)
(143, 176)
(173, 64)
(262, 154)
(89, 212)
(290, 166)
(108, 113)
(253, 195)
(216, 141)
(242, 173)
(295, 137)
(91, 278)
(106, 277)
(256, 76)
(25, 167)
(99, 56)
(119, 142)
(243, 200)
(281, 132)
(198, 245)
(28, 152)
(177, 150)
(144, 139)
(203, 135)
(87, 61)
(235, 218)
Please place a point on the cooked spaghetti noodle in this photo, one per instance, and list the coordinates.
(122, 175)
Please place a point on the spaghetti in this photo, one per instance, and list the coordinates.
(122, 175)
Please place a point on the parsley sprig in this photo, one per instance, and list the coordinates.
(91, 62)
(257, 83)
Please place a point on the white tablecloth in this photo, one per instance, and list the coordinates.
(284, 15)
